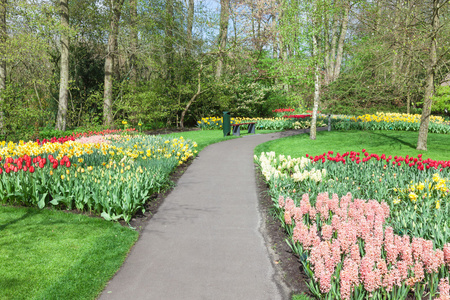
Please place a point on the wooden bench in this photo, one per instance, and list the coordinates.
(237, 130)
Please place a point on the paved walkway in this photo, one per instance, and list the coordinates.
(205, 241)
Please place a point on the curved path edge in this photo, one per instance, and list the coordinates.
(205, 242)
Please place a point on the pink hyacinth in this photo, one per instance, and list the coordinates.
(297, 214)
(349, 277)
(280, 201)
(327, 232)
(391, 279)
(419, 273)
(447, 254)
(300, 233)
(304, 204)
(289, 206)
(287, 217)
(444, 289)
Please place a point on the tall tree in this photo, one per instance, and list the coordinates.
(61, 118)
(190, 24)
(335, 31)
(111, 56)
(168, 42)
(316, 14)
(3, 36)
(431, 66)
(223, 33)
(134, 40)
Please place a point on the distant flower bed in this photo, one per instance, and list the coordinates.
(392, 245)
(389, 121)
(283, 110)
(297, 116)
(78, 135)
(278, 123)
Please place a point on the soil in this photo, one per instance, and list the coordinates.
(287, 266)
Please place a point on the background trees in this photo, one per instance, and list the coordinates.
(171, 62)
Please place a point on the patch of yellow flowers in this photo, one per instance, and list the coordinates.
(395, 117)
(69, 148)
(437, 188)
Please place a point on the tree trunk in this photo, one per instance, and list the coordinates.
(312, 132)
(429, 89)
(168, 42)
(199, 91)
(61, 118)
(190, 24)
(116, 8)
(3, 37)
(134, 41)
(340, 46)
(315, 55)
(223, 32)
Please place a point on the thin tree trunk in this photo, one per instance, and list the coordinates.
(429, 89)
(223, 32)
(199, 91)
(134, 40)
(3, 37)
(190, 24)
(312, 132)
(340, 47)
(116, 8)
(332, 59)
(61, 118)
(168, 42)
(408, 103)
(327, 50)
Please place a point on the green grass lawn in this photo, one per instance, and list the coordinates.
(207, 137)
(48, 254)
(393, 143)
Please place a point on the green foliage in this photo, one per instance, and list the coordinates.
(248, 99)
(441, 100)
(22, 116)
(145, 105)
(346, 124)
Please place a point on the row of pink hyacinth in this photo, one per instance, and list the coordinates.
(352, 234)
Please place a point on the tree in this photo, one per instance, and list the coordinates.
(134, 40)
(316, 57)
(190, 24)
(431, 68)
(111, 56)
(61, 118)
(334, 37)
(223, 33)
(3, 36)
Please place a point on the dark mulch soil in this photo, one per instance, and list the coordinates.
(286, 263)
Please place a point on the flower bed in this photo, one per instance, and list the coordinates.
(263, 123)
(113, 179)
(78, 135)
(396, 243)
(390, 121)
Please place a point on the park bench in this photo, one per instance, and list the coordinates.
(237, 130)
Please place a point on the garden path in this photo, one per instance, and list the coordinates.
(205, 242)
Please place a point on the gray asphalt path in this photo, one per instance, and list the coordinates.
(205, 241)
